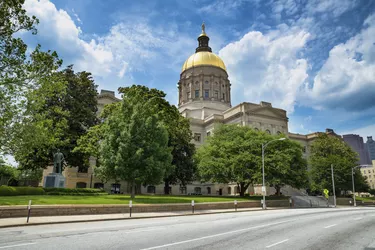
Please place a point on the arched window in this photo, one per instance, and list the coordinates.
(98, 185)
(206, 82)
(256, 129)
(278, 132)
(81, 185)
(197, 190)
(268, 131)
(229, 190)
(236, 191)
(208, 190)
(151, 189)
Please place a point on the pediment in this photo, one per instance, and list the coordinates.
(268, 111)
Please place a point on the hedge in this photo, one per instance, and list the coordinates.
(12, 191)
(73, 191)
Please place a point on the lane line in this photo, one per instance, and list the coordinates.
(216, 235)
(277, 243)
(360, 218)
(330, 226)
(18, 245)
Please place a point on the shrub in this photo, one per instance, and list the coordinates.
(12, 191)
(73, 191)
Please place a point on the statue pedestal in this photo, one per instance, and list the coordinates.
(54, 180)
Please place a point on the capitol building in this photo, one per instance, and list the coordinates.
(204, 93)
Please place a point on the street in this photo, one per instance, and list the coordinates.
(324, 228)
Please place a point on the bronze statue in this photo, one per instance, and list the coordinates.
(58, 162)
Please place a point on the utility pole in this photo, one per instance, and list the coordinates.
(333, 185)
(355, 204)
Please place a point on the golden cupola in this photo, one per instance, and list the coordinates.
(203, 55)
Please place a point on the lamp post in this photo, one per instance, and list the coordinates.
(264, 185)
(354, 201)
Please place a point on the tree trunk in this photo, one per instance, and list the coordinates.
(277, 187)
(132, 196)
(243, 187)
(166, 187)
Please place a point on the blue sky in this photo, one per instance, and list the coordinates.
(316, 59)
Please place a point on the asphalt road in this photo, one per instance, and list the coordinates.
(340, 228)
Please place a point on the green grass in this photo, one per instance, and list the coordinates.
(371, 199)
(119, 199)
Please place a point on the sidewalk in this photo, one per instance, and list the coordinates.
(15, 222)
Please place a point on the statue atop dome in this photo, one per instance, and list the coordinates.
(203, 28)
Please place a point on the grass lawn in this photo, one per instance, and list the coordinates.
(118, 199)
(371, 199)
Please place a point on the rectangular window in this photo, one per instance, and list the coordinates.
(196, 93)
(206, 94)
(187, 95)
(223, 96)
(216, 94)
(197, 137)
(208, 134)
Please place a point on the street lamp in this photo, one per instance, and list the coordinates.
(354, 201)
(264, 185)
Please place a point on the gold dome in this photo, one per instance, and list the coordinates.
(203, 58)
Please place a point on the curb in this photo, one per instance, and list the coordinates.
(132, 218)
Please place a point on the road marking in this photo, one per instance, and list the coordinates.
(216, 235)
(330, 226)
(18, 245)
(277, 243)
(360, 218)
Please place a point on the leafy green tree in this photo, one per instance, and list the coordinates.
(233, 154)
(330, 150)
(7, 172)
(285, 165)
(372, 191)
(134, 147)
(179, 134)
(59, 112)
(18, 74)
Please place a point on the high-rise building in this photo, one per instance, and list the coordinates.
(370, 145)
(356, 143)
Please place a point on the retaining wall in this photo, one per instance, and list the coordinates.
(56, 210)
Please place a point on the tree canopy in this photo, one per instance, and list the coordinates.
(19, 71)
(134, 146)
(330, 150)
(58, 112)
(233, 154)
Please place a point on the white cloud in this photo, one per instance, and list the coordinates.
(58, 27)
(128, 47)
(222, 7)
(266, 67)
(347, 78)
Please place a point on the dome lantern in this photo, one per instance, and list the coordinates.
(203, 41)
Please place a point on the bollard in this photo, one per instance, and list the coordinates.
(130, 207)
(310, 203)
(192, 205)
(28, 212)
(235, 205)
(290, 202)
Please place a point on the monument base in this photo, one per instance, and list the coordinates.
(54, 180)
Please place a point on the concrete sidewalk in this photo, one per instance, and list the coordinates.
(15, 222)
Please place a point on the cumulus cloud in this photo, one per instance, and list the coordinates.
(347, 78)
(267, 67)
(127, 47)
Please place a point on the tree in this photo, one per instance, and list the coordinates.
(330, 150)
(179, 134)
(372, 191)
(234, 154)
(134, 147)
(285, 165)
(7, 172)
(58, 112)
(17, 73)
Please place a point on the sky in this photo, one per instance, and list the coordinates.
(315, 59)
